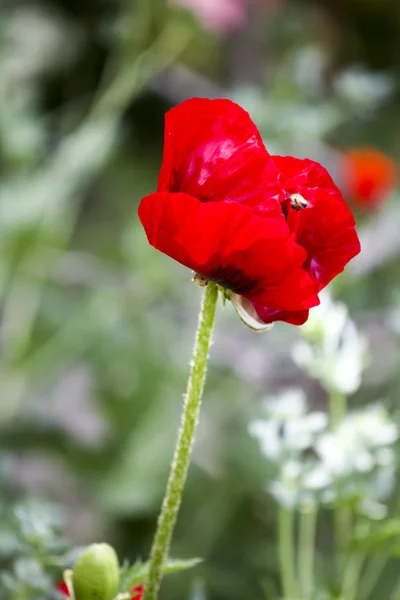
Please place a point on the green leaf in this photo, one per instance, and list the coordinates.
(385, 536)
(135, 574)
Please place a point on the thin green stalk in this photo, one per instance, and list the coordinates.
(21, 305)
(132, 76)
(337, 408)
(343, 527)
(306, 555)
(372, 574)
(395, 595)
(351, 576)
(183, 448)
(286, 551)
(342, 514)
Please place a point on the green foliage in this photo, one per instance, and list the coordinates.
(382, 537)
(133, 575)
(33, 553)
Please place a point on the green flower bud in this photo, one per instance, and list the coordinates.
(96, 574)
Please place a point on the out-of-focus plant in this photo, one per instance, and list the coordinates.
(332, 351)
(98, 574)
(34, 554)
(33, 551)
(75, 303)
(345, 463)
(47, 164)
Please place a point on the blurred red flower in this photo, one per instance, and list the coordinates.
(274, 230)
(368, 176)
(136, 591)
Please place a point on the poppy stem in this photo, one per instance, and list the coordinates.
(183, 448)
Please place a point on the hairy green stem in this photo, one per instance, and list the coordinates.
(286, 551)
(307, 530)
(183, 448)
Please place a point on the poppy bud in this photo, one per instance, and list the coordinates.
(96, 573)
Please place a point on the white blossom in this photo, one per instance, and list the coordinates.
(332, 351)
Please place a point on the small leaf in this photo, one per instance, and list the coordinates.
(131, 576)
(386, 536)
(176, 565)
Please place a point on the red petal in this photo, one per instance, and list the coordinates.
(62, 587)
(268, 315)
(297, 291)
(137, 592)
(326, 229)
(213, 151)
(232, 244)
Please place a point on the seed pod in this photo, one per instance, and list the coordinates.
(96, 573)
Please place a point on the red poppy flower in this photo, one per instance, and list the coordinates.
(136, 591)
(273, 230)
(368, 175)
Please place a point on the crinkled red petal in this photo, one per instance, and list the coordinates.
(326, 229)
(213, 151)
(233, 245)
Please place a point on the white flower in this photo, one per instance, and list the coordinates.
(333, 351)
(363, 89)
(314, 464)
(268, 436)
(288, 490)
(290, 404)
(360, 444)
(287, 430)
(318, 478)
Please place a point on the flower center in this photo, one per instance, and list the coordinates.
(298, 202)
(228, 277)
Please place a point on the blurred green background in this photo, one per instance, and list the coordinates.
(96, 327)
